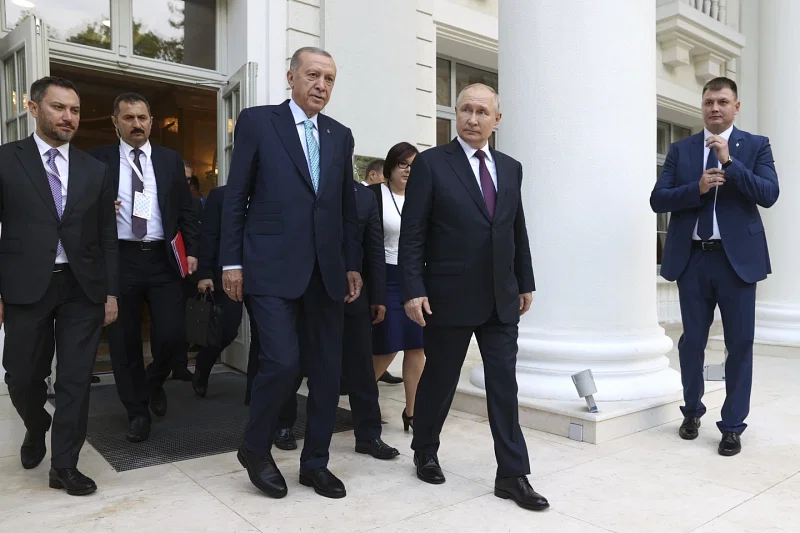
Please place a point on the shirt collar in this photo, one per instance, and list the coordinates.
(44, 147)
(470, 151)
(147, 148)
(725, 134)
(300, 115)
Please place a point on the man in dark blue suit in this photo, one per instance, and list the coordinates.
(717, 251)
(290, 240)
(465, 262)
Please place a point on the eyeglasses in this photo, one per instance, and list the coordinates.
(402, 165)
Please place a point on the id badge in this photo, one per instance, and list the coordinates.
(142, 205)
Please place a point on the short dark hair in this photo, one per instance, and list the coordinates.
(193, 180)
(40, 86)
(397, 153)
(376, 165)
(717, 84)
(130, 98)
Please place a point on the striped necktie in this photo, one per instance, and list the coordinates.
(55, 187)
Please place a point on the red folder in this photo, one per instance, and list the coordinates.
(179, 249)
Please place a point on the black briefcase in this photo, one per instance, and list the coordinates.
(204, 321)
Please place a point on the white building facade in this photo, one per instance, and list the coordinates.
(593, 93)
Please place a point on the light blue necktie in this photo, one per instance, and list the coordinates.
(313, 154)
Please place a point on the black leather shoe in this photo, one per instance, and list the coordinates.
(428, 469)
(730, 444)
(158, 401)
(184, 374)
(390, 379)
(324, 483)
(33, 450)
(263, 472)
(688, 430)
(377, 449)
(284, 439)
(520, 490)
(72, 480)
(138, 430)
(200, 386)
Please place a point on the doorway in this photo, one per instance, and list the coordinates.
(184, 119)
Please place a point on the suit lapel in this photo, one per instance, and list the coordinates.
(504, 181)
(460, 165)
(31, 160)
(325, 150)
(113, 166)
(734, 141)
(696, 154)
(77, 180)
(162, 176)
(287, 131)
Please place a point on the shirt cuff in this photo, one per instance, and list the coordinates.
(232, 267)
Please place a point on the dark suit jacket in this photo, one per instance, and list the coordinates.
(210, 223)
(31, 228)
(750, 181)
(370, 233)
(273, 224)
(174, 198)
(467, 264)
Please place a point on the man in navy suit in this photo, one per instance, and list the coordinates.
(290, 240)
(713, 183)
(465, 262)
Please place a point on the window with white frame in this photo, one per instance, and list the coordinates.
(666, 134)
(451, 77)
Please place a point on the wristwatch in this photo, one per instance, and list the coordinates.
(727, 163)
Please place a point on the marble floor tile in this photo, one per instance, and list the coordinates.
(630, 498)
(379, 493)
(488, 513)
(158, 510)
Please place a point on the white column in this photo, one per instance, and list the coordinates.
(778, 305)
(578, 91)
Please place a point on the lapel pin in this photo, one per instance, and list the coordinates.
(737, 145)
(328, 130)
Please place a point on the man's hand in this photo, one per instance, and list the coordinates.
(713, 177)
(192, 263)
(525, 302)
(111, 311)
(354, 285)
(720, 147)
(378, 313)
(232, 283)
(117, 203)
(414, 308)
(204, 285)
(2, 313)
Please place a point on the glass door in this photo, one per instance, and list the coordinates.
(237, 94)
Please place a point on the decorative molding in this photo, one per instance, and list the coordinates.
(680, 107)
(688, 35)
(462, 36)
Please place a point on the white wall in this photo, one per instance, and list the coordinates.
(374, 45)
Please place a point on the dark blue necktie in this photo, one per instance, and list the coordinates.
(705, 224)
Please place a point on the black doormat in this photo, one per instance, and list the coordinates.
(194, 427)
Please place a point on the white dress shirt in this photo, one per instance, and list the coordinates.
(475, 163)
(155, 229)
(715, 235)
(62, 164)
(391, 223)
(300, 118)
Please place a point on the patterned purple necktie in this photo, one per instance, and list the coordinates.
(487, 185)
(138, 224)
(55, 187)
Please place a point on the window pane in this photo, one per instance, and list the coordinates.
(11, 131)
(493, 139)
(22, 81)
(178, 31)
(86, 22)
(229, 119)
(10, 87)
(442, 131)
(466, 75)
(662, 143)
(679, 132)
(23, 126)
(443, 81)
